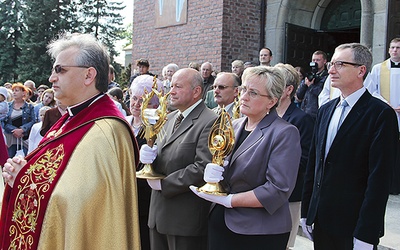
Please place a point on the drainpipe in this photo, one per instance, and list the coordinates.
(262, 24)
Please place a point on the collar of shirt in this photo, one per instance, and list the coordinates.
(353, 98)
(75, 109)
(394, 64)
(188, 110)
(167, 83)
(227, 107)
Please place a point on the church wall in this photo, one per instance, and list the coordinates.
(221, 31)
(308, 13)
(198, 40)
(241, 32)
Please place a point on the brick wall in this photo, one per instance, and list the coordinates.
(241, 32)
(218, 31)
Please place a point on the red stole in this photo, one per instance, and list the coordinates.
(24, 205)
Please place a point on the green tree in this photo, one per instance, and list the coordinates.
(125, 76)
(10, 32)
(34, 63)
(43, 20)
(127, 34)
(67, 17)
(103, 19)
(27, 26)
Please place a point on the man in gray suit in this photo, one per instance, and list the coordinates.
(225, 91)
(177, 217)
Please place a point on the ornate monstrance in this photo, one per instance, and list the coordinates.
(153, 120)
(220, 142)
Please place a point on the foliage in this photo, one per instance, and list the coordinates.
(27, 26)
(10, 32)
(127, 34)
(102, 19)
(125, 76)
(34, 63)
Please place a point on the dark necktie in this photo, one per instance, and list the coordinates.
(178, 122)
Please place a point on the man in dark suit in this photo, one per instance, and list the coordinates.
(348, 173)
(177, 217)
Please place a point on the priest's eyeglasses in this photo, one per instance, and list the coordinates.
(60, 68)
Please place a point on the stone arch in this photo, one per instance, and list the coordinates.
(310, 13)
(367, 19)
(319, 13)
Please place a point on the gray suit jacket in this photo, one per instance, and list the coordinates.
(267, 162)
(182, 157)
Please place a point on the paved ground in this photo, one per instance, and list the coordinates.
(391, 239)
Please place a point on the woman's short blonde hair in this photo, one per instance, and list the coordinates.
(271, 77)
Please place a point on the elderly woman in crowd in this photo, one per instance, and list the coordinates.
(138, 86)
(261, 172)
(19, 120)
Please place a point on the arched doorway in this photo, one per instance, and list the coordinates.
(340, 23)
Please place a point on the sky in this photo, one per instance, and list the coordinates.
(127, 13)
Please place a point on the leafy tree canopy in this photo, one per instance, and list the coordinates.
(27, 26)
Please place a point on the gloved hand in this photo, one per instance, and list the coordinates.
(147, 154)
(213, 173)
(154, 184)
(225, 201)
(361, 245)
(307, 230)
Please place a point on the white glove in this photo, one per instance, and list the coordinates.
(213, 173)
(154, 184)
(361, 245)
(307, 230)
(147, 154)
(225, 201)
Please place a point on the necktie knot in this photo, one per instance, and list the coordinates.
(178, 121)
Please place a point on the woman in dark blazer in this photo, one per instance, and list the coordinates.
(261, 173)
(288, 110)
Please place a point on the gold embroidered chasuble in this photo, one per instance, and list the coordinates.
(77, 192)
(93, 206)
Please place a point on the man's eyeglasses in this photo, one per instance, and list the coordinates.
(221, 87)
(59, 68)
(251, 92)
(338, 64)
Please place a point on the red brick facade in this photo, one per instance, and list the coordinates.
(218, 31)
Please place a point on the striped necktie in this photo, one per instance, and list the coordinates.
(178, 122)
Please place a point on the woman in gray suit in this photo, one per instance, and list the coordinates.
(261, 173)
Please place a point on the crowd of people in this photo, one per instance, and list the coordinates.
(319, 150)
